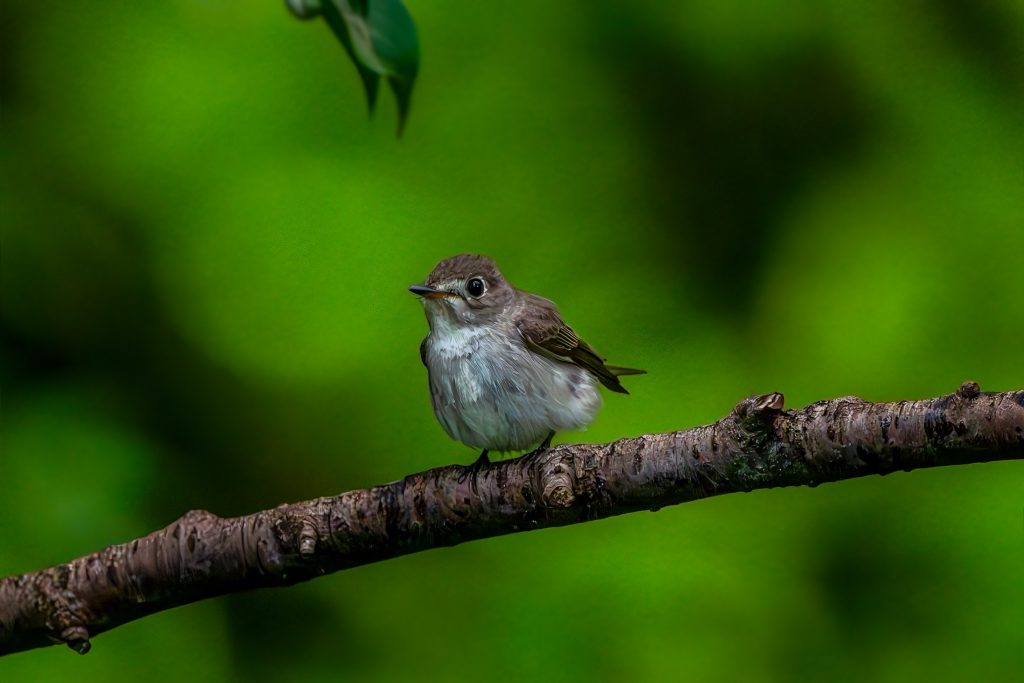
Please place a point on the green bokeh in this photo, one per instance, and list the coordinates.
(205, 249)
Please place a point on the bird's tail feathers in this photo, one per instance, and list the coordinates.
(620, 371)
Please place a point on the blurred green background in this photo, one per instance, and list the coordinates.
(205, 250)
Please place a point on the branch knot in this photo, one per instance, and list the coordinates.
(969, 390)
(77, 638)
(558, 480)
(756, 412)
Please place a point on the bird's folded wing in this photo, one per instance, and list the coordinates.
(546, 333)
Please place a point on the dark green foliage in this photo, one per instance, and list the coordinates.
(380, 39)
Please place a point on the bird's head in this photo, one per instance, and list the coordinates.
(464, 290)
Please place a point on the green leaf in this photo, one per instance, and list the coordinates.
(402, 88)
(380, 39)
(371, 80)
(305, 9)
(394, 40)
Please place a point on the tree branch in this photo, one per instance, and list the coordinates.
(757, 445)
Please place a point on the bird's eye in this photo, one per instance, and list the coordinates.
(475, 287)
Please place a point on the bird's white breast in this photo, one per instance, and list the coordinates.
(490, 391)
(455, 351)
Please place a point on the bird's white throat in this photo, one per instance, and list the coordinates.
(452, 340)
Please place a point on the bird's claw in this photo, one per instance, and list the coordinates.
(467, 470)
(544, 445)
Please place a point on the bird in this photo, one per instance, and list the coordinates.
(505, 371)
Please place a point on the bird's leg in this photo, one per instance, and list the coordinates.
(482, 461)
(544, 445)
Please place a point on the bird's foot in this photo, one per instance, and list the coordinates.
(467, 470)
(544, 445)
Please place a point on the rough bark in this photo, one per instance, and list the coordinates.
(758, 445)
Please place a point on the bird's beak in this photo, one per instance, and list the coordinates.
(428, 292)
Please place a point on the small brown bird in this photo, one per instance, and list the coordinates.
(505, 370)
